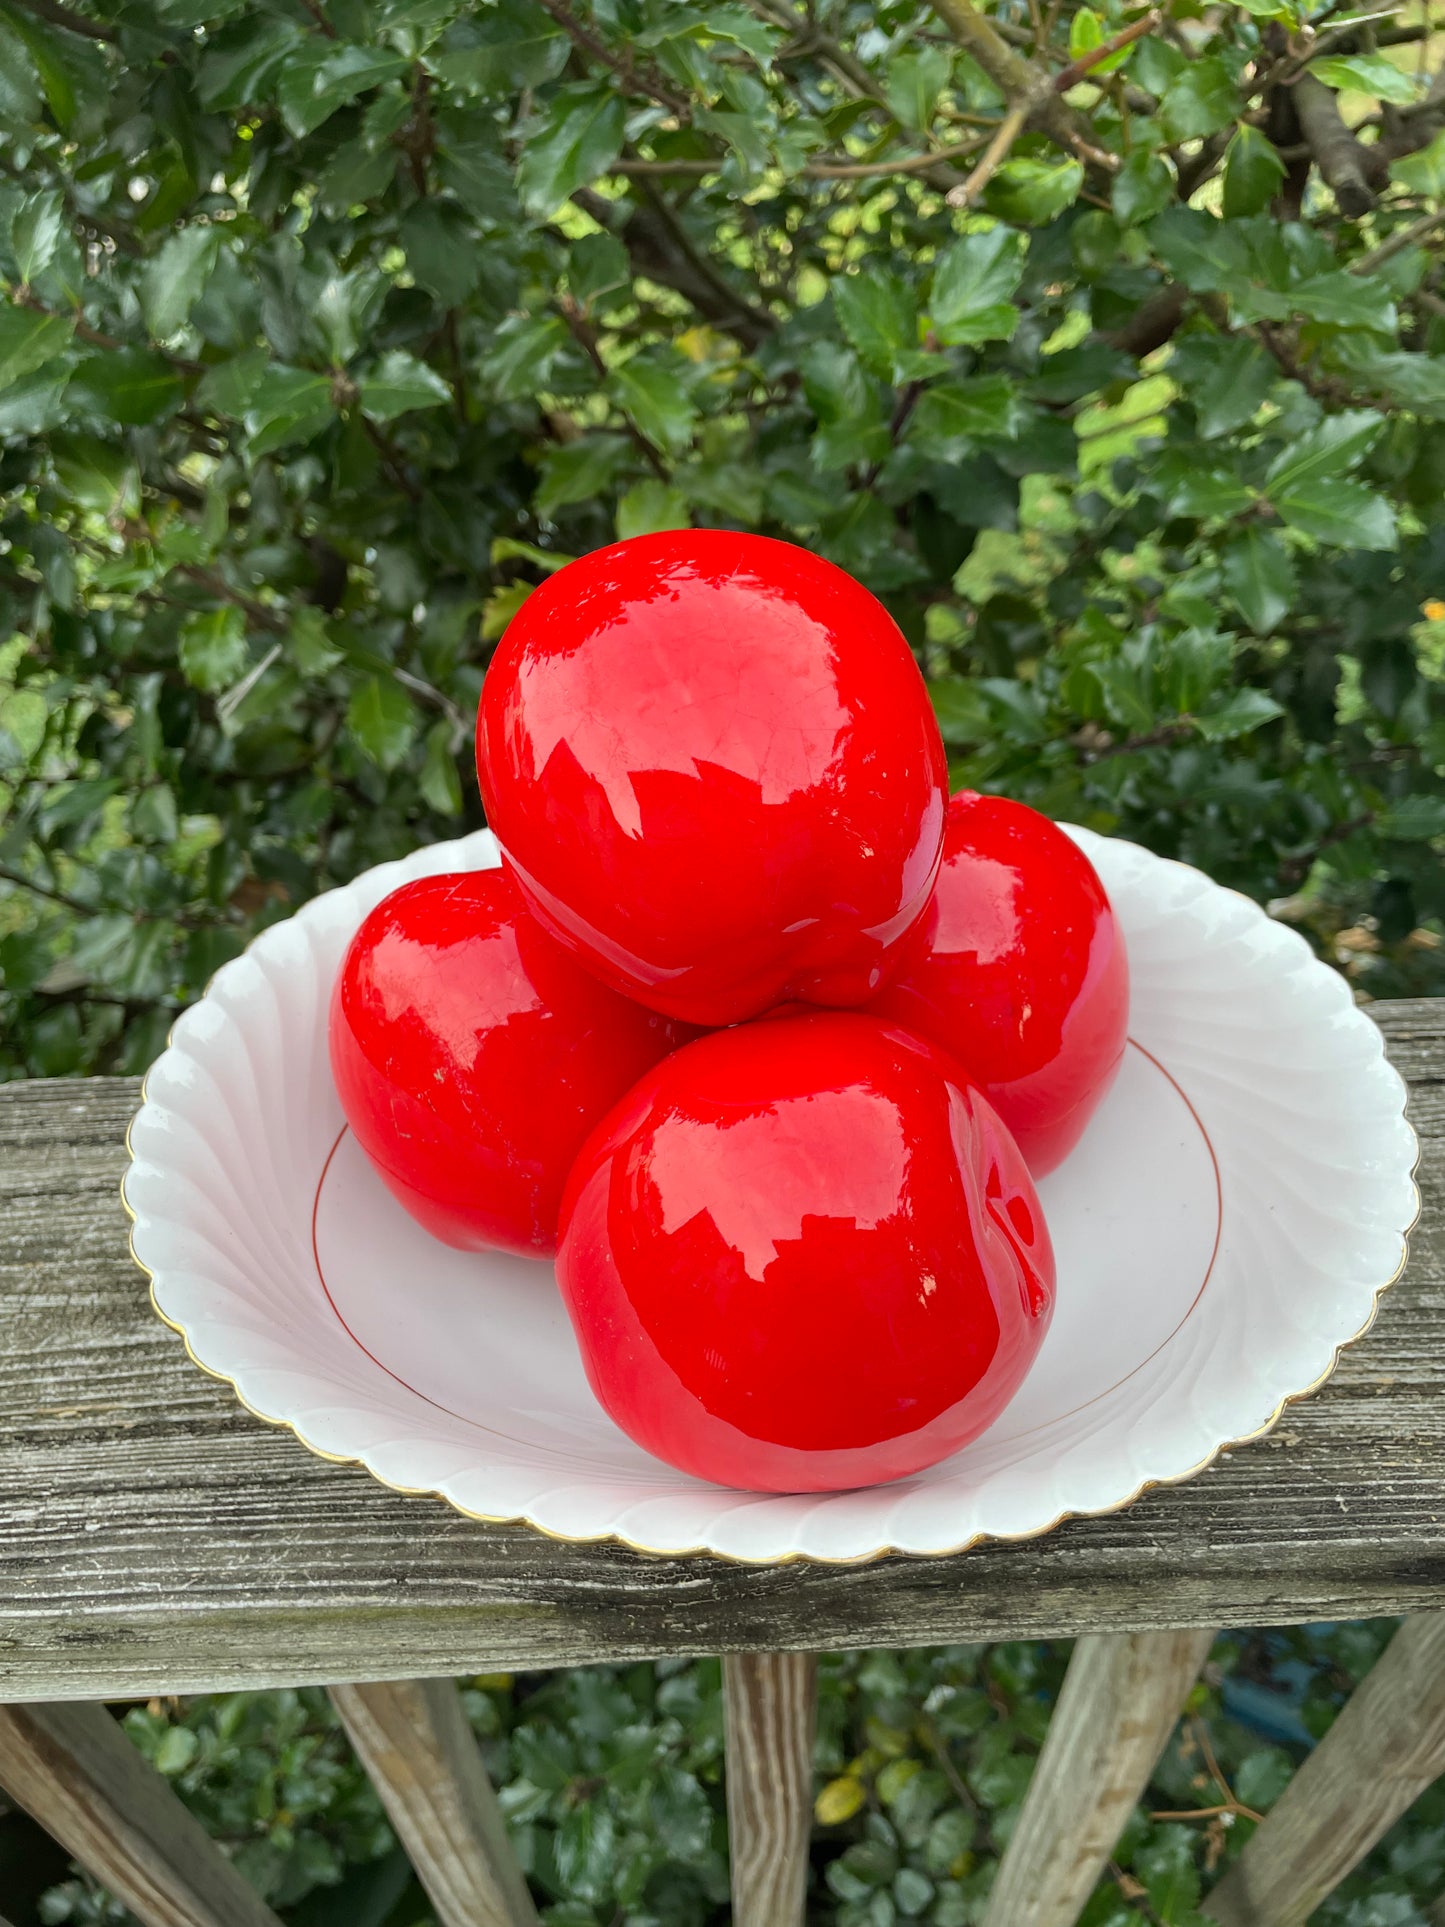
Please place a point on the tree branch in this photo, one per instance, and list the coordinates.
(1009, 129)
(313, 7)
(813, 170)
(1024, 82)
(659, 248)
(43, 890)
(1079, 69)
(67, 17)
(1397, 242)
(636, 80)
(1341, 159)
(1151, 324)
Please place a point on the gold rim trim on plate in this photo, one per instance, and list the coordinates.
(787, 1558)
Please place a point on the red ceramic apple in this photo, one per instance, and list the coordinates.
(803, 1255)
(1018, 970)
(712, 764)
(472, 1056)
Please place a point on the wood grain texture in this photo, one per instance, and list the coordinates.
(770, 1706)
(156, 1538)
(73, 1769)
(1382, 1752)
(1119, 1704)
(413, 1738)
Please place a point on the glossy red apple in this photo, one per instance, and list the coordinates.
(472, 1056)
(803, 1255)
(714, 769)
(1018, 970)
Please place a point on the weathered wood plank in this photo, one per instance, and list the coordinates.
(770, 1706)
(1120, 1701)
(154, 1537)
(1382, 1752)
(73, 1769)
(413, 1739)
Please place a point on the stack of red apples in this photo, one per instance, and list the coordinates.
(756, 1031)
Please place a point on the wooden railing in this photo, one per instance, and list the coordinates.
(156, 1539)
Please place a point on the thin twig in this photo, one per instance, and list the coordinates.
(313, 7)
(44, 890)
(439, 699)
(392, 459)
(67, 17)
(1322, 43)
(1078, 69)
(1404, 238)
(1009, 129)
(813, 170)
(585, 335)
(636, 80)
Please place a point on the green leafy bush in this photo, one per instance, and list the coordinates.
(1106, 347)
(611, 1779)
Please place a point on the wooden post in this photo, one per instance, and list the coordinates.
(1120, 1700)
(73, 1769)
(1385, 1748)
(770, 1705)
(413, 1739)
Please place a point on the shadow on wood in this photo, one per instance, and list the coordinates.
(73, 1769)
(413, 1738)
(770, 1703)
(1382, 1752)
(1121, 1697)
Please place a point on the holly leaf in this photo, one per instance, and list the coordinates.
(175, 276)
(578, 471)
(131, 387)
(28, 340)
(653, 398)
(1033, 193)
(1332, 447)
(1231, 391)
(1422, 173)
(1143, 187)
(383, 719)
(1086, 32)
(649, 507)
(322, 76)
(400, 382)
(951, 417)
(1259, 575)
(1345, 300)
(213, 652)
(1199, 101)
(1253, 171)
(500, 49)
(1414, 819)
(973, 282)
(586, 1845)
(579, 140)
(441, 250)
(1240, 713)
(287, 405)
(439, 783)
(1371, 74)
(877, 313)
(35, 233)
(913, 83)
(1341, 514)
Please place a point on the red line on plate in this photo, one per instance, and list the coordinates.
(463, 1419)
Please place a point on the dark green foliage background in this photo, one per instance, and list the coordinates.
(331, 325)
(612, 1782)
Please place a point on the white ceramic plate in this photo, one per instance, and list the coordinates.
(1233, 1212)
